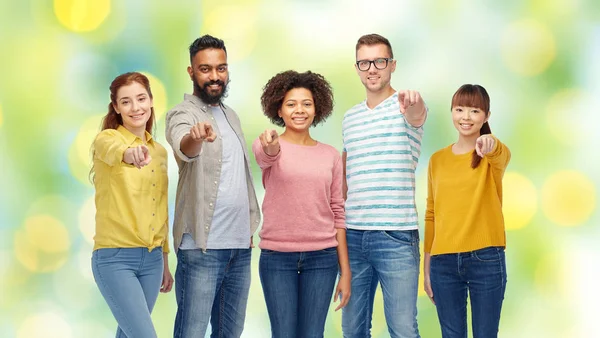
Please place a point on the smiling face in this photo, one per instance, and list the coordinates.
(298, 109)
(210, 75)
(468, 120)
(375, 80)
(134, 105)
(470, 110)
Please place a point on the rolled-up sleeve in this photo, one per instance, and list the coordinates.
(178, 124)
(109, 147)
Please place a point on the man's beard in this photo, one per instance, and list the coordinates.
(205, 93)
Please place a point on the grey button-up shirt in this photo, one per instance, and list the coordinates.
(199, 176)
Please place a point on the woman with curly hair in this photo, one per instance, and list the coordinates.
(303, 237)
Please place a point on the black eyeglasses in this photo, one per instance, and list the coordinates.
(380, 63)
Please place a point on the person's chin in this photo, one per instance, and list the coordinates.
(214, 94)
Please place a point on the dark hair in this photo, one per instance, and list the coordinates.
(112, 120)
(206, 42)
(476, 96)
(276, 88)
(374, 39)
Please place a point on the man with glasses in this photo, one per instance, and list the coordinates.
(382, 143)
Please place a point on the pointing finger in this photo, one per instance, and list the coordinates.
(413, 98)
(268, 136)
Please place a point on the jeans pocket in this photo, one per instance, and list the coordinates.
(107, 253)
(489, 254)
(401, 236)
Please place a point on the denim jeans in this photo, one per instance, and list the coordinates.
(129, 280)
(483, 274)
(211, 285)
(298, 287)
(392, 259)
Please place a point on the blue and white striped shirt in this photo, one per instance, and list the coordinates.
(382, 156)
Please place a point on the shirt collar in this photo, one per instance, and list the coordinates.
(198, 101)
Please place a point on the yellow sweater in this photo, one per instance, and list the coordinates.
(131, 203)
(464, 205)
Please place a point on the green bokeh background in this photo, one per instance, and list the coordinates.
(537, 59)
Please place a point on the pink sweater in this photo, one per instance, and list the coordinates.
(303, 202)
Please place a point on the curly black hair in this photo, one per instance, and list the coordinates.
(275, 90)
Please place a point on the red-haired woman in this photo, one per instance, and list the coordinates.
(129, 261)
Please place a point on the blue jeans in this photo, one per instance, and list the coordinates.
(483, 274)
(298, 287)
(392, 259)
(211, 285)
(129, 280)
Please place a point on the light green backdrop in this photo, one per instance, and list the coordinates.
(538, 59)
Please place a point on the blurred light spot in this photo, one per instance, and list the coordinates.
(73, 291)
(568, 198)
(47, 234)
(236, 25)
(81, 15)
(159, 95)
(528, 47)
(15, 277)
(561, 10)
(47, 325)
(93, 329)
(87, 219)
(566, 111)
(34, 76)
(421, 275)
(80, 156)
(85, 81)
(56, 206)
(16, 284)
(4, 266)
(379, 325)
(519, 201)
(84, 261)
(421, 190)
(583, 254)
(550, 276)
(42, 244)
